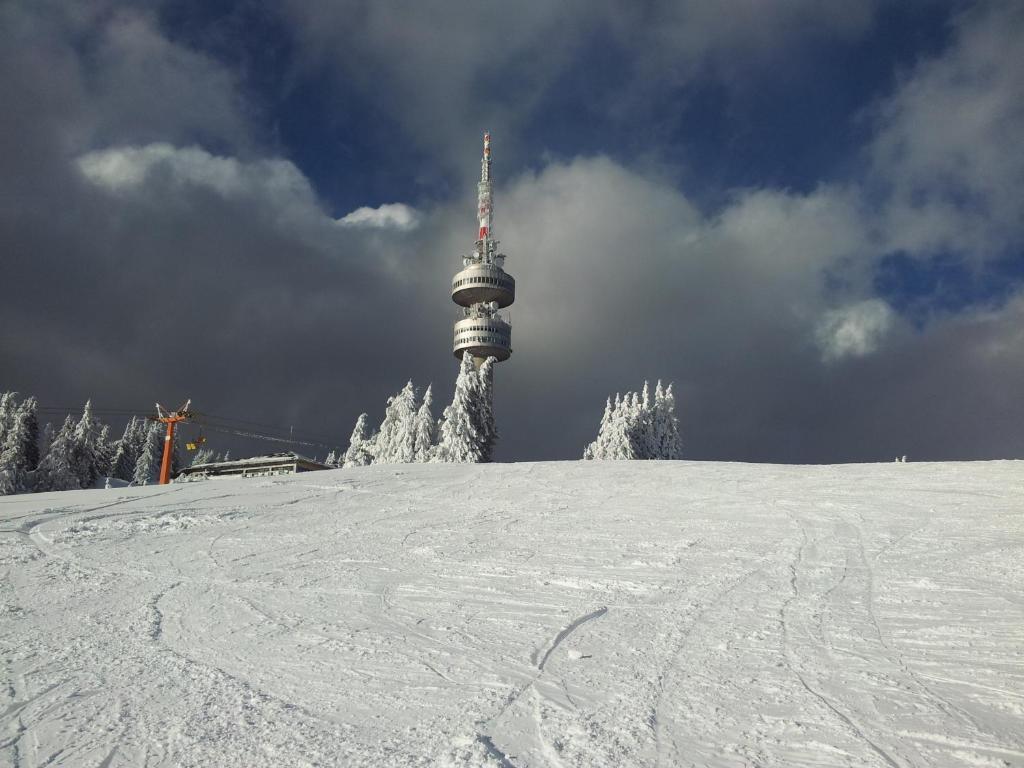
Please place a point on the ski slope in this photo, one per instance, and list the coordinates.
(558, 614)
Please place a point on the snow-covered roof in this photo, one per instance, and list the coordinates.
(255, 461)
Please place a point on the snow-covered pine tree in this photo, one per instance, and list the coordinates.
(332, 459)
(460, 441)
(45, 439)
(648, 447)
(105, 449)
(425, 429)
(630, 428)
(147, 468)
(85, 458)
(31, 434)
(396, 439)
(18, 451)
(484, 393)
(56, 470)
(122, 465)
(360, 445)
(8, 404)
(671, 442)
(599, 448)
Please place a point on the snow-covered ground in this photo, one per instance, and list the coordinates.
(591, 614)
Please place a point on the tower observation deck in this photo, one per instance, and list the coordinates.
(483, 287)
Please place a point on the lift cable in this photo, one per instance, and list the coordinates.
(223, 424)
(258, 436)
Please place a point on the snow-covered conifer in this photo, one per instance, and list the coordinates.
(147, 468)
(332, 459)
(396, 438)
(359, 445)
(45, 439)
(56, 470)
(426, 429)
(8, 403)
(105, 449)
(18, 451)
(625, 428)
(85, 457)
(31, 434)
(599, 448)
(671, 444)
(484, 408)
(122, 465)
(459, 441)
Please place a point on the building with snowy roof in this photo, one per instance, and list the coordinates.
(287, 463)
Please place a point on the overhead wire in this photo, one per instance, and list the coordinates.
(223, 424)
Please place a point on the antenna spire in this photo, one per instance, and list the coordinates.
(485, 203)
(483, 286)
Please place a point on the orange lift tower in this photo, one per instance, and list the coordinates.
(170, 419)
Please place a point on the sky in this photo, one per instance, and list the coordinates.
(807, 215)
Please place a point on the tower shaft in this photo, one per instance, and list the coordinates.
(483, 287)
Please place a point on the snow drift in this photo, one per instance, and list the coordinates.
(580, 613)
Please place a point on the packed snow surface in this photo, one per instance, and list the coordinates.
(588, 614)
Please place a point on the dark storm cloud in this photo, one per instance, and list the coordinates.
(156, 245)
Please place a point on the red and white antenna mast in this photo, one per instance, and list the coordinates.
(485, 202)
(483, 286)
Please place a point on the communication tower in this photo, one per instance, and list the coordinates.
(483, 287)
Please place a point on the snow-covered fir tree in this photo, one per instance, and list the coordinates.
(147, 468)
(466, 431)
(599, 448)
(56, 470)
(105, 449)
(484, 398)
(126, 451)
(396, 439)
(8, 404)
(666, 425)
(425, 431)
(458, 439)
(85, 455)
(360, 445)
(332, 459)
(18, 450)
(635, 427)
(45, 438)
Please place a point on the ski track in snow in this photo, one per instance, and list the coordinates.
(563, 614)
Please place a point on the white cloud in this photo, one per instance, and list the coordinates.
(388, 216)
(616, 261)
(127, 168)
(948, 142)
(854, 330)
(163, 174)
(451, 81)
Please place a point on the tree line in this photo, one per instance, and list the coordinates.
(78, 454)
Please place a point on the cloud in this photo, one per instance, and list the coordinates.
(390, 215)
(855, 330)
(946, 148)
(194, 257)
(440, 72)
(125, 169)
